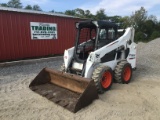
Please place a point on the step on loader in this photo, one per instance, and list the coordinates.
(102, 54)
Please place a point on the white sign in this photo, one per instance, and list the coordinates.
(43, 30)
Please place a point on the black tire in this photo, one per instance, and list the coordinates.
(103, 78)
(62, 68)
(123, 72)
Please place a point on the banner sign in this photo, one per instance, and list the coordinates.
(43, 30)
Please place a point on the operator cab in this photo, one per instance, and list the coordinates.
(93, 35)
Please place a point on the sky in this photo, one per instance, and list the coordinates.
(112, 7)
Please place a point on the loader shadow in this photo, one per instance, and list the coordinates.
(141, 72)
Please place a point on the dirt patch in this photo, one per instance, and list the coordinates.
(139, 100)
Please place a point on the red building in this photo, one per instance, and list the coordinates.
(30, 34)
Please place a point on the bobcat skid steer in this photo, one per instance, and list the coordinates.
(101, 54)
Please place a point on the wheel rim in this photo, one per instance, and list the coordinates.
(106, 79)
(127, 73)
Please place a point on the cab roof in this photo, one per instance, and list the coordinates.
(93, 24)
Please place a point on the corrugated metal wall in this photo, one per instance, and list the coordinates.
(15, 35)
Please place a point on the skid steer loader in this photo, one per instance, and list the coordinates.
(102, 54)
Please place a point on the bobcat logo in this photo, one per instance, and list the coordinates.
(97, 55)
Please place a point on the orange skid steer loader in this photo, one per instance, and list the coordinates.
(99, 56)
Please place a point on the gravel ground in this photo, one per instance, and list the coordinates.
(139, 100)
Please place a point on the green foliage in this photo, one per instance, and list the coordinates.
(18, 4)
(3, 5)
(37, 8)
(125, 22)
(115, 18)
(70, 12)
(146, 27)
(87, 14)
(153, 19)
(28, 7)
(59, 12)
(52, 11)
(14, 4)
(155, 34)
(139, 36)
(79, 13)
(100, 15)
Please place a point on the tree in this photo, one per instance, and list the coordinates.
(87, 14)
(28, 7)
(14, 4)
(100, 15)
(3, 5)
(115, 18)
(140, 36)
(59, 12)
(157, 26)
(153, 18)
(138, 18)
(37, 8)
(138, 21)
(79, 13)
(70, 12)
(155, 34)
(125, 22)
(52, 11)
(148, 28)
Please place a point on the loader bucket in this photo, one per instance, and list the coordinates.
(69, 91)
